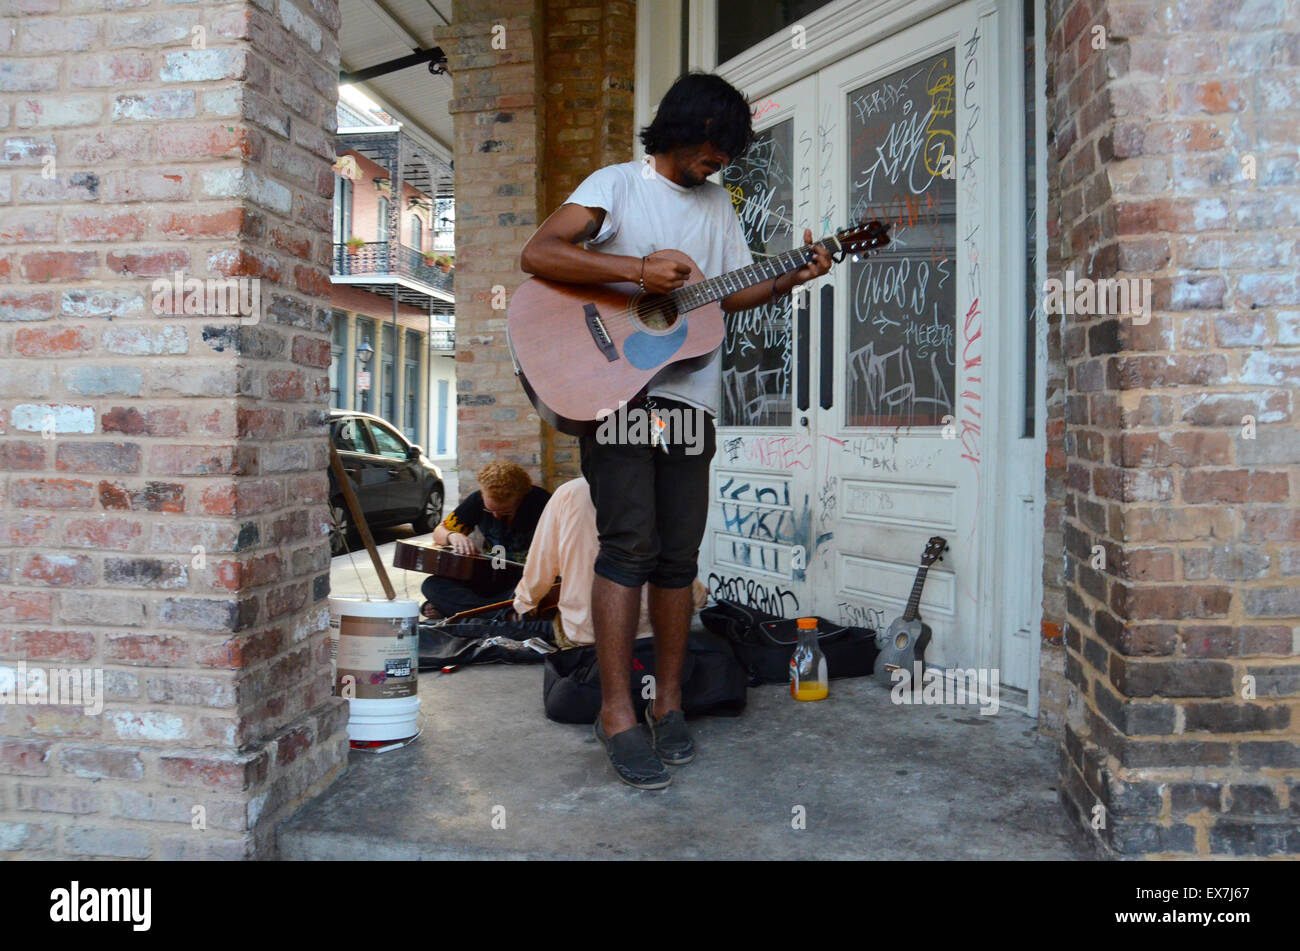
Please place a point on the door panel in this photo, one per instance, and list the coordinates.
(761, 516)
(892, 458)
(854, 430)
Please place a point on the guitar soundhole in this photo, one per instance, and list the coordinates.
(901, 641)
(657, 314)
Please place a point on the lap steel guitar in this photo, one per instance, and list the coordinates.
(582, 348)
(445, 563)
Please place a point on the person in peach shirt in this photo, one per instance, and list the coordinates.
(565, 545)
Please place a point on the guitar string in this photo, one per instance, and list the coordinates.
(644, 307)
(627, 313)
(353, 559)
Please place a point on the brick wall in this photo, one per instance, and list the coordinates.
(531, 120)
(1177, 595)
(162, 500)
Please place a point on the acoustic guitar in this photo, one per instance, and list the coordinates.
(579, 349)
(445, 563)
(907, 638)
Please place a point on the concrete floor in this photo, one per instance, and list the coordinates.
(875, 780)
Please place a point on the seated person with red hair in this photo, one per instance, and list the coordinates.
(506, 509)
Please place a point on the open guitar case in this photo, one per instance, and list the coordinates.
(764, 642)
(482, 640)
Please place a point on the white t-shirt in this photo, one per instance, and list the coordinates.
(648, 213)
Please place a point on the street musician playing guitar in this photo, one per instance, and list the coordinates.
(651, 496)
(506, 509)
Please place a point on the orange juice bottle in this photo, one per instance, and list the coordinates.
(808, 680)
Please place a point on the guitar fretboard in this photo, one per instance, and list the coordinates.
(914, 602)
(715, 288)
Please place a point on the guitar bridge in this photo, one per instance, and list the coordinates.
(598, 332)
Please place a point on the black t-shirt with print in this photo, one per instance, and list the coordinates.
(515, 536)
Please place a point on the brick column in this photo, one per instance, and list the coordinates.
(498, 162)
(532, 119)
(163, 495)
(1177, 439)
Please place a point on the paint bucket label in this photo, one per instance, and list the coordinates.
(379, 653)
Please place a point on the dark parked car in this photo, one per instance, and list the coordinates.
(393, 480)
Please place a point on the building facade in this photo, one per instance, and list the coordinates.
(392, 341)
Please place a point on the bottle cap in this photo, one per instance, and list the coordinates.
(806, 623)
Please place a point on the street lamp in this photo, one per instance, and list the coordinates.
(365, 353)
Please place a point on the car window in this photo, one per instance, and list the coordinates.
(387, 442)
(350, 436)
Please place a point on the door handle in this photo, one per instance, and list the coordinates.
(826, 372)
(803, 350)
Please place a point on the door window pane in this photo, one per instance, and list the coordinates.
(387, 442)
(757, 351)
(411, 386)
(1032, 297)
(442, 417)
(342, 209)
(382, 224)
(386, 385)
(902, 301)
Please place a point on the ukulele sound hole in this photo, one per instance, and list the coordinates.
(901, 641)
(656, 313)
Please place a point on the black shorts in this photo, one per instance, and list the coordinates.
(651, 505)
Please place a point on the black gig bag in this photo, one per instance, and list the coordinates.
(713, 680)
(764, 642)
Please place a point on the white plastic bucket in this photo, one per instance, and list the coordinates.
(375, 650)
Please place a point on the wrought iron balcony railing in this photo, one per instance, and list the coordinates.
(442, 340)
(377, 258)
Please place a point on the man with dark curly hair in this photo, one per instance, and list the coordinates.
(652, 500)
(505, 509)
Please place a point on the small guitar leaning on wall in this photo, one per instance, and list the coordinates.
(905, 642)
(582, 348)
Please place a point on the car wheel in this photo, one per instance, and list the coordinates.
(431, 514)
(340, 528)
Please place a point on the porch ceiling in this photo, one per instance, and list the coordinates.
(376, 31)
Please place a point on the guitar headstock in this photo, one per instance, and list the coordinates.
(862, 239)
(934, 550)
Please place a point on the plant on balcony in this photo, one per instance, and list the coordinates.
(443, 262)
(355, 244)
(430, 259)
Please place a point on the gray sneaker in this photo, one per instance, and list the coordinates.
(633, 758)
(669, 736)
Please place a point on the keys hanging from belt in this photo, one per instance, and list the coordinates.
(658, 435)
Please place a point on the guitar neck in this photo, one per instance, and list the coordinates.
(914, 602)
(715, 288)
